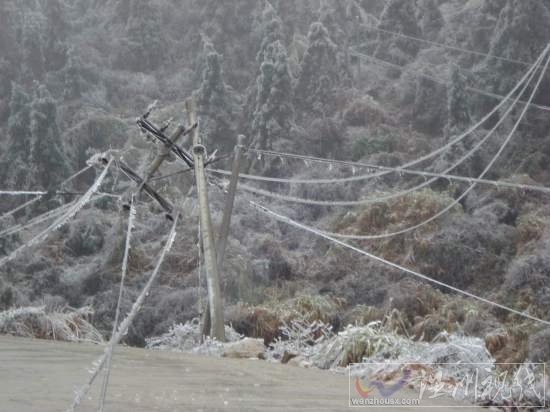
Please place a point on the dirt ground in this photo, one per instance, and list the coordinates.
(38, 375)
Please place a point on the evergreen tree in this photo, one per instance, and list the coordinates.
(15, 161)
(274, 114)
(74, 83)
(144, 45)
(338, 16)
(398, 16)
(217, 102)
(457, 103)
(32, 46)
(47, 158)
(430, 18)
(55, 32)
(521, 34)
(271, 30)
(318, 73)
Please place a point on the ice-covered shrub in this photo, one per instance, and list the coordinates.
(539, 346)
(186, 337)
(37, 322)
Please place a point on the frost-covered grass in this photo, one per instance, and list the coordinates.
(37, 322)
(186, 337)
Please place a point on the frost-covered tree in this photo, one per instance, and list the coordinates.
(457, 103)
(144, 45)
(32, 43)
(318, 73)
(521, 33)
(47, 159)
(15, 160)
(270, 29)
(429, 18)
(340, 19)
(274, 114)
(217, 104)
(55, 31)
(74, 83)
(398, 16)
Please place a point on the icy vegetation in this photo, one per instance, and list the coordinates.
(384, 83)
(63, 324)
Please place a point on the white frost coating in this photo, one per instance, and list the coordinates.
(98, 365)
(20, 207)
(452, 142)
(410, 190)
(36, 220)
(61, 220)
(131, 217)
(21, 192)
(319, 233)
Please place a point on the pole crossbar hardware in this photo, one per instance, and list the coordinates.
(132, 175)
(217, 328)
(149, 128)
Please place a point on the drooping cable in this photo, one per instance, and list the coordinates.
(60, 221)
(377, 199)
(99, 364)
(104, 386)
(316, 232)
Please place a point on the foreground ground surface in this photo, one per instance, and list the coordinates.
(38, 375)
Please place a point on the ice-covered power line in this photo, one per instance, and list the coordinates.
(441, 149)
(316, 232)
(39, 196)
(465, 193)
(109, 355)
(290, 180)
(60, 221)
(384, 198)
(448, 46)
(438, 80)
(99, 364)
(21, 207)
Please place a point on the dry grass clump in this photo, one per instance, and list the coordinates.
(266, 321)
(509, 346)
(396, 214)
(530, 229)
(37, 322)
(363, 314)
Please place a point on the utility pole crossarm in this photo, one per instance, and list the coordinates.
(162, 155)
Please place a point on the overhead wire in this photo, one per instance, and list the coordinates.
(468, 190)
(448, 46)
(39, 196)
(60, 221)
(438, 80)
(440, 150)
(104, 386)
(420, 186)
(100, 363)
(463, 195)
(291, 180)
(291, 222)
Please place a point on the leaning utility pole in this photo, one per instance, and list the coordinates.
(226, 219)
(208, 243)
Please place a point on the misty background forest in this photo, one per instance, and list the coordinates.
(331, 79)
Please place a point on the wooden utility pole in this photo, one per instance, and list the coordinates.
(217, 329)
(227, 212)
(230, 200)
